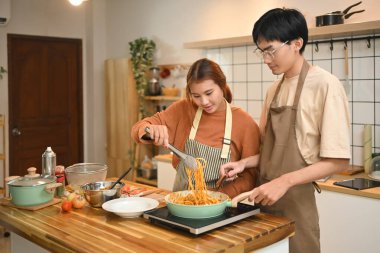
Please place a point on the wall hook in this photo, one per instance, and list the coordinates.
(316, 47)
(331, 45)
(369, 42)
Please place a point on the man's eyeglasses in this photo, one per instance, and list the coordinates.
(268, 53)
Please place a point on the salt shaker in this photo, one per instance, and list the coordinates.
(48, 162)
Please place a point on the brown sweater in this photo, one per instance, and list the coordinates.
(245, 137)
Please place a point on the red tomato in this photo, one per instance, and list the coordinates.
(79, 201)
(66, 205)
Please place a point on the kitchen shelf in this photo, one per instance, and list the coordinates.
(142, 180)
(162, 98)
(323, 32)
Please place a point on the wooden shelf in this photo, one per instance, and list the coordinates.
(324, 32)
(142, 180)
(162, 98)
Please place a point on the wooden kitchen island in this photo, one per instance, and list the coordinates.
(95, 230)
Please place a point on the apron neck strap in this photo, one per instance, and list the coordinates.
(301, 80)
(227, 129)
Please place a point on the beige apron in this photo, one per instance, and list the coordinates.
(214, 157)
(281, 155)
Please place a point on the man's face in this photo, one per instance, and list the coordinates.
(279, 56)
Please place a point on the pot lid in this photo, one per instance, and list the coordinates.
(27, 181)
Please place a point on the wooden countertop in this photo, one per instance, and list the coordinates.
(95, 230)
(369, 193)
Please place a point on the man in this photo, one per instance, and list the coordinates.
(304, 126)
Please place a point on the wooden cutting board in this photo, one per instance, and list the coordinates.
(7, 202)
(352, 170)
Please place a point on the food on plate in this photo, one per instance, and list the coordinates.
(198, 194)
(66, 205)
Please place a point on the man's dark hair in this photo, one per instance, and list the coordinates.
(281, 24)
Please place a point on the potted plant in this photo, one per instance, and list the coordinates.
(142, 52)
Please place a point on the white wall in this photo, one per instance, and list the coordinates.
(170, 23)
(107, 26)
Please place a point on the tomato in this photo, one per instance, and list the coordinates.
(79, 201)
(66, 205)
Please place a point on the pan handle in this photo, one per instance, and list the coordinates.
(349, 7)
(351, 13)
(241, 197)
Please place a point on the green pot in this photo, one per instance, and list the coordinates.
(26, 191)
(200, 211)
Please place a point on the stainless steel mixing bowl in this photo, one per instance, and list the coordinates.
(97, 193)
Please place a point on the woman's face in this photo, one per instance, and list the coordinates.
(208, 95)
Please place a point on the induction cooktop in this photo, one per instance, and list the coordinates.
(162, 216)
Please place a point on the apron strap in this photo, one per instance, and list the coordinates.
(227, 132)
(301, 81)
(196, 121)
(227, 129)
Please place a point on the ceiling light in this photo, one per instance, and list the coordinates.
(76, 2)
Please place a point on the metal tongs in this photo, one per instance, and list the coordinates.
(189, 161)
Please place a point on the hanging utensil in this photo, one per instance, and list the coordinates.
(120, 178)
(347, 86)
(189, 161)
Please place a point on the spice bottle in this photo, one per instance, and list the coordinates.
(48, 162)
(60, 174)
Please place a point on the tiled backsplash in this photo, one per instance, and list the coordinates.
(249, 80)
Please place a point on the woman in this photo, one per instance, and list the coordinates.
(206, 126)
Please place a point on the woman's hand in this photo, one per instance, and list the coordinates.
(231, 169)
(159, 134)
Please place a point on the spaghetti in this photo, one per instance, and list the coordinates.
(198, 193)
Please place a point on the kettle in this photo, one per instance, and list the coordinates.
(375, 168)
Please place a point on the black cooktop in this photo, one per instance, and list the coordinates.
(162, 216)
(358, 183)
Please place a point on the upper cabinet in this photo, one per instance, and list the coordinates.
(324, 32)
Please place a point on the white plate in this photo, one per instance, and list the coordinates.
(130, 207)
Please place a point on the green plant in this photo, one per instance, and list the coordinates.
(142, 52)
(2, 71)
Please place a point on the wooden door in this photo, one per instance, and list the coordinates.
(45, 100)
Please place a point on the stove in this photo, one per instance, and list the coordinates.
(162, 216)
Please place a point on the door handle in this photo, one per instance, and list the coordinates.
(16, 132)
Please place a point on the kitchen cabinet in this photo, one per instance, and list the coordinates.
(348, 218)
(323, 32)
(348, 223)
(165, 172)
